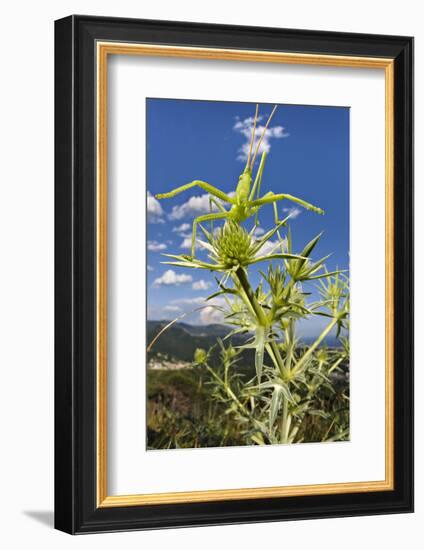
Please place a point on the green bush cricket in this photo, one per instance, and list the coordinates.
(243, 204)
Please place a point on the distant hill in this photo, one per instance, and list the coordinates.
(180, 340)
(205, 330)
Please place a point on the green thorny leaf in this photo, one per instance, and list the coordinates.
(304, 269)
(260, 339)
(229, 354)
(287, 300)
(280, 392)
(335, 293)
(230, 248)
(275, 404)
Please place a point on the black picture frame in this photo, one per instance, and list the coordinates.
(76, 510)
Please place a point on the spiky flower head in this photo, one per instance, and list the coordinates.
(233, 246)
(322, 355)
(200, 356)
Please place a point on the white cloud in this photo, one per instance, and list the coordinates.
(294, 212)
(189, 301)
(154, 209)
(155, 246)
(187, 243)
(184, 227)
(271, 247)
(258, 231)
(195, 206)
(201, 285)
(245, 127)
(171, 278)
(150, 268)
(172, 308)
(210, 315)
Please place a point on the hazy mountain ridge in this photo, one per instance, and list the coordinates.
(180, 340)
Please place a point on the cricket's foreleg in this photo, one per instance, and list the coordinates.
(214, 202)
(277, 222)
(270, 198)
(276, 218)
(204, 218)
(197, 183)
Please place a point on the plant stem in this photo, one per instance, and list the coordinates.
(284, 424)
(336, 364)
(312, 348)
(242, 279)
(272, 347)
(228, 390)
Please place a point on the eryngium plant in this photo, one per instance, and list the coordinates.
(299, 392)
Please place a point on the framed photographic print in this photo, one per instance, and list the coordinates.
(233, 274)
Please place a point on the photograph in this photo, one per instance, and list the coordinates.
(247, 274)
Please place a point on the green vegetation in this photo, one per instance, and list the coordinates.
(187, 409)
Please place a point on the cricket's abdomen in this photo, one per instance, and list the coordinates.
(243, 187)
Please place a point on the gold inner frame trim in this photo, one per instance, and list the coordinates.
(104, 49)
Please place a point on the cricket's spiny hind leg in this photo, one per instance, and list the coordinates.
(198, 183)
(271, 198)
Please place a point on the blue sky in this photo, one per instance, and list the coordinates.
(308, 157)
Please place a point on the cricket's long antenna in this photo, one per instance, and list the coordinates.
(253, 135)
(262, 136)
